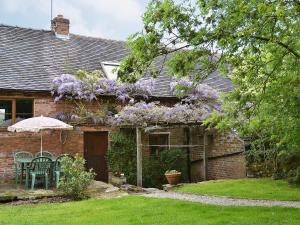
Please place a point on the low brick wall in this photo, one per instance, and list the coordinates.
(11, 142)
(232, 166)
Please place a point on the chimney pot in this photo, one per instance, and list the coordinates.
(60, 25)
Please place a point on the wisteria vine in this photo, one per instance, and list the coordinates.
(197, 100)
(69, 87)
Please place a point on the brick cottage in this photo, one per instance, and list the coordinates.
(29, 61)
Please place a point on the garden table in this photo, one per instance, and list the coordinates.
(26, 161)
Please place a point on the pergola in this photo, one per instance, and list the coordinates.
(163, 126)
(198, 101)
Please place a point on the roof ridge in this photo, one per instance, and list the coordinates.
(49, 31)
(24, 28)
(98, 38)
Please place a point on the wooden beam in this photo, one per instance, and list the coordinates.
(139, 157)
(204, 155)
(14, 111)
(188, 143)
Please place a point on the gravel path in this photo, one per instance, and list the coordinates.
(225, 201)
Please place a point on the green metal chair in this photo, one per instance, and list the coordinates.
(18, 168)
(57, 168)
(39, 168)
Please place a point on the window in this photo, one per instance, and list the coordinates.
(158, 142)
(108, 68)
(5, 113)
(15, 110)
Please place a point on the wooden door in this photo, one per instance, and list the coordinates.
(95, 148)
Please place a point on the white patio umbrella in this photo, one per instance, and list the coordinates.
(38, 124)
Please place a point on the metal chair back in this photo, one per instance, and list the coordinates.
(22, 155)
(44, 154)
(41, 165)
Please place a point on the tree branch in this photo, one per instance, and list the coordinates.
(279, 43)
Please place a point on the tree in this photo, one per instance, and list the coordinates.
(254, 43)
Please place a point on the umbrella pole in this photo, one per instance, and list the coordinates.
(41, 143)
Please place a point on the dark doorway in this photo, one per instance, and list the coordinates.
(95, 148)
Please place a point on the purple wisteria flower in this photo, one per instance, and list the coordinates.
(68, 86)
(186, 88)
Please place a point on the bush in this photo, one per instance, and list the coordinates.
(154, 168)
(121, 156)
(294, 176)
(75, 178)
(266, 160)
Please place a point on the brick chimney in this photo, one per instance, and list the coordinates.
(60, 26)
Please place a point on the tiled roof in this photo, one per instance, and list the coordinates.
(30, 59)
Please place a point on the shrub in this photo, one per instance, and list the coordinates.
(121, 156)
(294, 176)
(154, 168)
(75, 178)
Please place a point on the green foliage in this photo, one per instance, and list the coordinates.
(75, 179)
(89, 77)
(294, 176)
(262, 159)
(254, 43)
(154, 167)
(121, 156)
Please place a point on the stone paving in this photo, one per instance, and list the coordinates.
(12, 192)
(224, 201)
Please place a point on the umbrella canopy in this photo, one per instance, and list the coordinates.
(37, 124)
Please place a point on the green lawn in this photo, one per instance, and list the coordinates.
(246, 188)
(141, 210)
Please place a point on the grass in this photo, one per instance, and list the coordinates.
(246, 188)
(141, 210)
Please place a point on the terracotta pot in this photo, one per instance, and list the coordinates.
(173, 178)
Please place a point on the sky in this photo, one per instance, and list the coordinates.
(113, 19)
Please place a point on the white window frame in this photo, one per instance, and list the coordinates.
(107, 73)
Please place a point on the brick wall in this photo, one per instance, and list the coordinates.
(227, 167)
(224, 152)
(225, 158)
(72, 142)
(58, 142)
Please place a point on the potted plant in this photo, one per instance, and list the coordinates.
(118, 178)
(173, 176)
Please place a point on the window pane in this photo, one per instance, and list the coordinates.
(5, 113)
(158, 142)
(24, 109)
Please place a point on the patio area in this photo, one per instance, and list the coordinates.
(12, 193)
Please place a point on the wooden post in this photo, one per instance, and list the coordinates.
(188, 141)
(139, 157)
(14, 111)
(204, 155)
